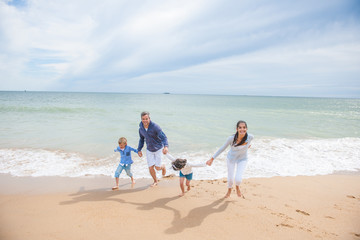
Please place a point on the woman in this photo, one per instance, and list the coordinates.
(237, 156)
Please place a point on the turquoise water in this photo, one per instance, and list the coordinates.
(86, 126)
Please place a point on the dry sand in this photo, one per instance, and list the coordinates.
(317, 207)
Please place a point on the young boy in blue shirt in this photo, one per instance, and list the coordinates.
(125, 161)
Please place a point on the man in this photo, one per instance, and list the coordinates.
(156, 143)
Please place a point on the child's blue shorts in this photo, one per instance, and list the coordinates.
(187, 176)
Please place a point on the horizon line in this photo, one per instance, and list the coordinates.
(170, 93)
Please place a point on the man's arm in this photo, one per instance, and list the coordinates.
(164, 141)
(163, 138)
(141, 144)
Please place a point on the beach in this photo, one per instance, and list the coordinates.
(301, 207)
(95, 94)
(57, 163)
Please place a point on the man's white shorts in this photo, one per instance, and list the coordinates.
(154, 158)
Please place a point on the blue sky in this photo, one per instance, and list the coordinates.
(277, 48)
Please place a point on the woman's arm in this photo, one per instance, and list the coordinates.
(226, 144)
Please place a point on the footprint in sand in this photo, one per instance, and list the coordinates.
(264, 208)
(353, 197)
(282, 215)
(254, 184)
(302, 212)
(337, 207)
(284, 225)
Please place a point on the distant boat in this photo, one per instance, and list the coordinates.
(166, 93)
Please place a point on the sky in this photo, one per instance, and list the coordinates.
(228, 47)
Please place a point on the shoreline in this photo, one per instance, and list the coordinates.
(301, 207)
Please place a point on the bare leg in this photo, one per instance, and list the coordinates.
(162, 168)
(228, 193)
(182, 186)
(153, 175)
(188, 184)
(117, 184)
(128, 172)
(238, 191)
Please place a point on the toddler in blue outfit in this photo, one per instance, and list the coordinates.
(125, 161)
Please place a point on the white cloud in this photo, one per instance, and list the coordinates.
(188, 46)
(266, 71)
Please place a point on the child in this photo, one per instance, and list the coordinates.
(185, 171)
(125, 161)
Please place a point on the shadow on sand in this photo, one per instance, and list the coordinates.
(194, 218)
(101, 194)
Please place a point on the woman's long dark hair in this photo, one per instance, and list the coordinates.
(237, 135)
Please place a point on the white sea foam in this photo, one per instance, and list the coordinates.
(284, 157)
(267, 157)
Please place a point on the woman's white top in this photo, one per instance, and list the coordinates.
(238, 153)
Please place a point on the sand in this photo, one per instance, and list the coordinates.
(302, 207)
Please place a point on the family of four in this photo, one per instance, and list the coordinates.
(157, 144)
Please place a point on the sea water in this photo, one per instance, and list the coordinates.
(75, 134)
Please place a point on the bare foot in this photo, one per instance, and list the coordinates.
(154, 184)
(115, 188)
(182, 194)
(228, 193)
(238, 193)
(188, 188)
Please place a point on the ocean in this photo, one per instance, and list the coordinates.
(74, 134)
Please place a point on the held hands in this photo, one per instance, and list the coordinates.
(140, 154)
(165, 150)
(210, 161)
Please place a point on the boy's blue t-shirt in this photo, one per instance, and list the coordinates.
(125, 155)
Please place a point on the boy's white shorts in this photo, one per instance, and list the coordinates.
(154, 158)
